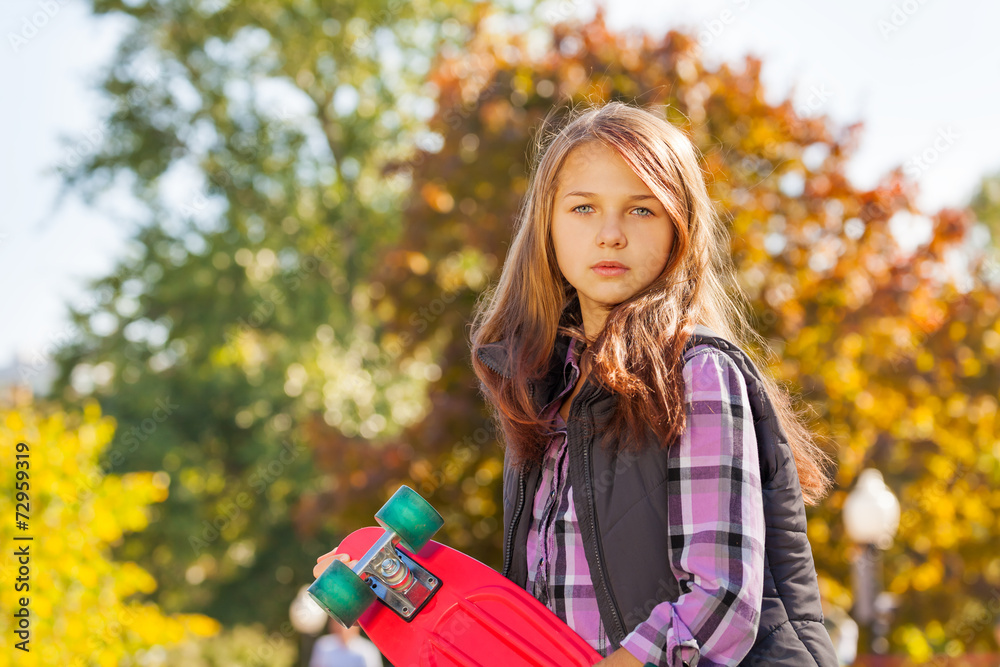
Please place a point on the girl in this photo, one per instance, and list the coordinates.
(654, 481)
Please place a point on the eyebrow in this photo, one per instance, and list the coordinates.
(578, 193)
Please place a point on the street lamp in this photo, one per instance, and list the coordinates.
(308, 619)
(871, 517)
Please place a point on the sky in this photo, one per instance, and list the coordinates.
(920, 74)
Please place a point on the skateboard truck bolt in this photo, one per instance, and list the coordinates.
(395, 574)
(396, 579)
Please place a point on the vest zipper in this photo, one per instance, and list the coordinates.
(507, 558)
(513, 523)
(588, 473)
(520, 503)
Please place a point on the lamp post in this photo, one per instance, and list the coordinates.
(308, 619)
(871, 517)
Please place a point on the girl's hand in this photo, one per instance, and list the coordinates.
(324, 561)
(621, 658)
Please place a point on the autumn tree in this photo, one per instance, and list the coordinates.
(895, 349)
(81, 605)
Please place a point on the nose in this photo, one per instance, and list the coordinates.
(611, 234)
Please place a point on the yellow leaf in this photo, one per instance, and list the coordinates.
(201, 625)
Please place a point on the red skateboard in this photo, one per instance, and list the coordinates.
(423, 603)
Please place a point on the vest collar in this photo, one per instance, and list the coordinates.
(497, 356)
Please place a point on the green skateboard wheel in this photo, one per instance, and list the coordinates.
(341, 593)
(411, 517)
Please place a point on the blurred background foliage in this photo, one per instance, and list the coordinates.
(86, 609)
(321, 191)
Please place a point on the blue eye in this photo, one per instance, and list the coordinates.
(648, 212)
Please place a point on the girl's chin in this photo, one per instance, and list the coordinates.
(606, 299)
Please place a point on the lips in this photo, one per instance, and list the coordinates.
(609, 265)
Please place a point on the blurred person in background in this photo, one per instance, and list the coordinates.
(344, 647)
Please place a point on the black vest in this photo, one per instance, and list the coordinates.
(625, 495)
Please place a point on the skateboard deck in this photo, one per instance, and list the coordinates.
(478, 617)
(457, 612)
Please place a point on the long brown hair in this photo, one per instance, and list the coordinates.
(639, 353)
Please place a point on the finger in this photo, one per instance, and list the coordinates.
(324, 563)
(327, 555)
(329, 558)
(325, 558)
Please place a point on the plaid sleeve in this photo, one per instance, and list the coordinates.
(716, 514)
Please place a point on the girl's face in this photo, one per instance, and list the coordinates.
(603, 212)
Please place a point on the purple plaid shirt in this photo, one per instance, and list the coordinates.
(717, 502)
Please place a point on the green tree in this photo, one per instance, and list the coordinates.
(985, 205)
(237, 337)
